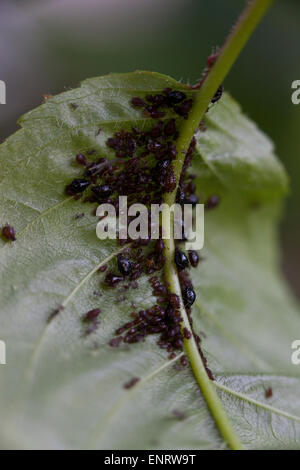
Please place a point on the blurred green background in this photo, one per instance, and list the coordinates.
(47, 46)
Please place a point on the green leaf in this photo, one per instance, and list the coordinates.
(60, 389)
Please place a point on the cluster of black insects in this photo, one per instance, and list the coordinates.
(142, 170)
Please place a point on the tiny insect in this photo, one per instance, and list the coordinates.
(97, 293)
(194, 258)
(170, 128)
(112, 279)
(92, 315)
(175, 97)
(184, 361)
(55, 313)
(138, 102)
(102, 191)
(211, 59)
(191, 199)
(124, 265)
(81, 159)
(78, 186)
(102, 268)
(169, 183)
(8, 232)
(184, 108)
(79, 216)
(179, 415)
(269, 392)
(131, 383)
(174, 300)
(218, 94)
(186, 333)
(212, 202)
(115, 342)
(181, 259)
(189, 296)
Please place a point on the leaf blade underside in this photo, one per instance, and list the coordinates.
(60, 390)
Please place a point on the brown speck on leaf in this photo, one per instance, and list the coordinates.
(115, 342)
(81, 159)
(92, 315)
(55, 313)
(179, 414)
(79, 216)
(131, 383)
(269, 392)
(102, 268)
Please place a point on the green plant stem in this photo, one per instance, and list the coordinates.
(228, 54)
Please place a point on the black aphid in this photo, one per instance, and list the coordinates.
(81, 159)
(189, 296)
(184, 108)
(218, 94)
(194, 258)
(112, 279)
(212, 202)
(184, 361)
(102, 191)
(170, 128)
(8, 232)
(174, 300)
(181, 259)
(175, 96)
(162, 166)
(131, 383)
(124, 265)
(191, 199)
(55, 313)
(79, 216)
(78, 186)
(114, 342)
(138, 102)
(92, 315)
(186, 333)
(269, 392)
(169, 183)
(102, 268)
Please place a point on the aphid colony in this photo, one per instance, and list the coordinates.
(142, 170)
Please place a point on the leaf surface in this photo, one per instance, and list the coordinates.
(61, 389)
